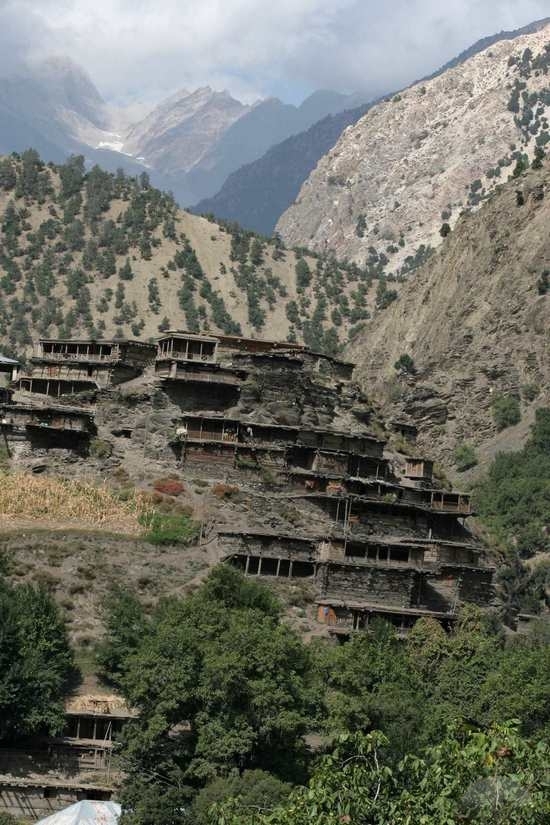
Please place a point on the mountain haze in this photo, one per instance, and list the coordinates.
(189, 143)
(51, 106)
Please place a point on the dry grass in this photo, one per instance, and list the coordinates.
(56, 502)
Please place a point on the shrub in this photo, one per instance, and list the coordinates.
(224, 490)
(530, 392)
(465, 457)
(169, 486)
(405, 365)
(166, 528)
(445, 230)
(99, 448)
(506, 411)
(385, 296)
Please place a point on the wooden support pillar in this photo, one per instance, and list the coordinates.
(278, 567)
(290, 567)
(260, 566)
(247, 565)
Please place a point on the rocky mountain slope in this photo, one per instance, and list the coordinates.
(416, 161)
(179, 132)
(475, 322)
(257, 194)
(100, 254)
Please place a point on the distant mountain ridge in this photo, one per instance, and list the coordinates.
(247, 137)
(189, 143)
(46, 106)
(241, 162)
(179, 132)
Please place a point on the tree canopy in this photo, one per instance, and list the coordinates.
(35, 662)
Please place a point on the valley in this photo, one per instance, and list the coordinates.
(274, 478)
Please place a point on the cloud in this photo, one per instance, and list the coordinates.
(143, 49)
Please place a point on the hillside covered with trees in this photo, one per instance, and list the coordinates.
(96, 254)
(227, 695)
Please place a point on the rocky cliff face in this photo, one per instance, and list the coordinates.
(417, 160)
(475, 322)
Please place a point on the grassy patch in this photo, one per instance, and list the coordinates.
(169, 528)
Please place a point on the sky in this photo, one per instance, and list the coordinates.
(144, 50)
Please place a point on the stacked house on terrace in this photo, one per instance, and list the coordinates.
(68, 367)
(288, 428)
(43, 774)
(51, 404)
(312, 490)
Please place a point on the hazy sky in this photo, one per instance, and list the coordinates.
(140, 48)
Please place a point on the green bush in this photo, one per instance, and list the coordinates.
(465, 457)
(513, 501)
(530, 392)
(405, 365)
(255, 789)
(506, 411)
(99, 448)
(166, 528)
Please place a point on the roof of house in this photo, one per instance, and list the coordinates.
(8, 361)
(86, 812)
